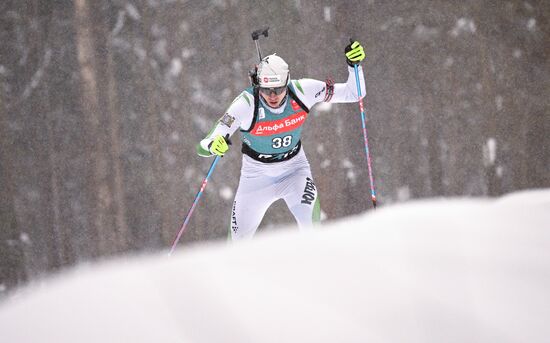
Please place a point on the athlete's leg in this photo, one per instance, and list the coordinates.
(302, 199)
(253, 198)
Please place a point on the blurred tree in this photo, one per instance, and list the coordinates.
(100, 109)
(12, 258)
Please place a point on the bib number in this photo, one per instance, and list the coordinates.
(281, 142)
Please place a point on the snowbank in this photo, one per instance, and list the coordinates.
(463, 270)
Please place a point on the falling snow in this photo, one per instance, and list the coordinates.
(463, 25)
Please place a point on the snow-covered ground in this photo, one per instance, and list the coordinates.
(461, 270)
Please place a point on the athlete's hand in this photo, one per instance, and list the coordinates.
(219, 145)
(354, 53)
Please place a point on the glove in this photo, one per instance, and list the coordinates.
(354, 53)
(219, 145)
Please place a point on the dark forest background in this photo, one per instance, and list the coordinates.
(103, 101)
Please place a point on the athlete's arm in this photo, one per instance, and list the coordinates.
(312, 91)
(238, 115)
(347, 92)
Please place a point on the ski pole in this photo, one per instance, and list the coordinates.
(197, 197)
(365, 136)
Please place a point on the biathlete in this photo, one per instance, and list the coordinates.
(271, 115)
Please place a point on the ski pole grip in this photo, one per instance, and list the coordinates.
(256, 34)
(227, 140)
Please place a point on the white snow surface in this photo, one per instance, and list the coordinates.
(441, 270)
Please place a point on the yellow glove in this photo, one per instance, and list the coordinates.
(219, 145)
(354, 53)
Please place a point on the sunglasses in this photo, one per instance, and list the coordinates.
(276, 90)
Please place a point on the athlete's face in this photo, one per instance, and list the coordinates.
(273, 96)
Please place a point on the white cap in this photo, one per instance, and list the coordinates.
(273, 72)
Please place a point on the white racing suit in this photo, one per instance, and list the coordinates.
(274, 165)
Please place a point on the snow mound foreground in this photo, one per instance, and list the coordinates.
(460, 270)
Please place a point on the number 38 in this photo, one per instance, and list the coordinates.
(281, 142)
